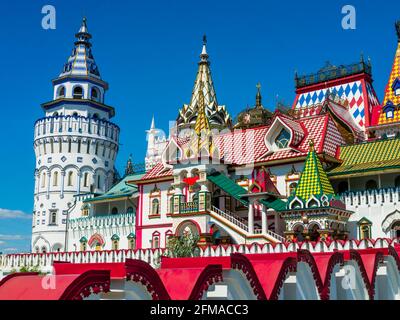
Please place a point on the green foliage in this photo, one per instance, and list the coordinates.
(182, 246)
(27, 269)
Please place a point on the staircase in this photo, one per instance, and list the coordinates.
(239, 225)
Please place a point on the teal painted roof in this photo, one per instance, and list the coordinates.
(121, 189)
(276, 204)
(229, 186)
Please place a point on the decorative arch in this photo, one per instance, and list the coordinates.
(96, 238)
(44, 240)
(191, 224)
(389, 220)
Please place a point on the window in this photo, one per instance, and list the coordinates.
(371, 184)
(44, 250)
(130, 210)
(171, 204)
(95, 94)
(397, 92)
(44, 179)
(98, 182)
(155, 206)
(282, 140)
(85, 179)
(78, 92)
(53, 218)
(79, 145)
(55, 179)
(69, 145)
(70, 178)
(51, 145)
(60, 145)
(397, 181)
(389, 114)
(292, 188)
(61, 92)
(131, 243)
(155, 241)
(343, 187)
(115, 245)
(97, 148)
(88, 147)
(364, 228)
(114, 210)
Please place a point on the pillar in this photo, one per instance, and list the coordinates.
(62, 183)
(250, 220)
(264, 222)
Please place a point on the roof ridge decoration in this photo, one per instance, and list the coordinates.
(81, 61)
(217, 115)
(314, 181)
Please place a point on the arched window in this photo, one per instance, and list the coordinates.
(79, 145)
(55, 114)
(98, 182)
(292, 188)
(371, 184)
(343, 187)
(171, 204)
(155, 206)
(61, 92)
(60, 145)
(86, 179)
(44, 250)
(69, 145)
(155, 241)
(130, 210)
(88, 147)
(95, 116)
(55, 178)
(70, 178)
(282, 140)
(51, 146)
(53, 218)
(397, 181)
(95, 94)
(97, 148)
(114, 210)
(37, 249)
(43, 179)
(78, 92)
(131, 243)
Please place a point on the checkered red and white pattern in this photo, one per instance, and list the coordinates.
(241, 147)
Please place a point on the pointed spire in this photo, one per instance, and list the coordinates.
(152, 126)
(129, 166)
(81, 62)
(314, 180)
(204, 55)
(258, 96)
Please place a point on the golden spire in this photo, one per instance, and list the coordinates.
(311, 145)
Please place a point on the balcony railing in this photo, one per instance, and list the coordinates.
(102, 221)
(189, 207)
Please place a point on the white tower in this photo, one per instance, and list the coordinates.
(156, 143)
(75, 146)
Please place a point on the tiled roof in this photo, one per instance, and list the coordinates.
(229, 186)
(313, 180)
(157, 171)
(368, 156)
(121, 189)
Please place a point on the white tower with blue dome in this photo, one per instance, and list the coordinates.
(75, 145)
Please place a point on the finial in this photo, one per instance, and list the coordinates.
(129, 167)
(311, 145)
(204, 55)
(152, 126)
(362, 57)
(258, 96)
(397, 25)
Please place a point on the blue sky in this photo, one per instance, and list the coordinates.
(148, 52)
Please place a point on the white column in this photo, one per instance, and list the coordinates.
(48, 183)
(78, 189)
(62, 184)
(250, 220)
(264, 224)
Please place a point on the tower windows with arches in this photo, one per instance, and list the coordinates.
(61, 92)
(55, 178)
(53, 217)
(114, 210)
(78, 92)
(95, 94)
(155, 241)
(282, 140)
(70, 179)
(43, 179)
(86, 179)
(79, 145)
(69, 145)
(51, 145)
(371, 184)
(155, 207)
(88, 147)
(97, 148)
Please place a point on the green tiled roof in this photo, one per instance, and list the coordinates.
(313, 180)
(229, 186)
(121, 189)
(276, 204)
(370, 156)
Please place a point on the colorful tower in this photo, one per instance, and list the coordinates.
(386, 118)
(75, 146)
(351, 83)
(203, 88)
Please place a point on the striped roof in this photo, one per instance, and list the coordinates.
(313, 180)
(370, 156)
(81, 61)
